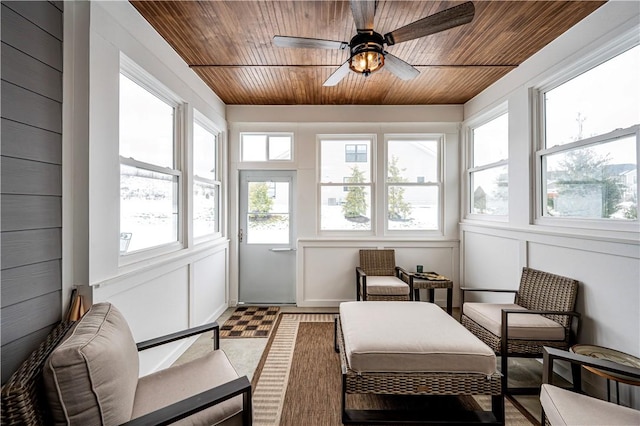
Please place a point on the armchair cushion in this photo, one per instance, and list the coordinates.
(384, 285)
(91, 377)
(527, 327)
(564, 407)
(167, 386)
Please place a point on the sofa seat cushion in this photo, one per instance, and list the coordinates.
(410, 337)
(524, 327)
(91, 377)
(564, 407)
(171, 385)
(386, 286)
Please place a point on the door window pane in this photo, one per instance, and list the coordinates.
(268, 213)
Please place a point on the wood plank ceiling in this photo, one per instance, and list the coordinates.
(229, 45)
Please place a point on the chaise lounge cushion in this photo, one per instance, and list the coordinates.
(527, 327)
(386, 286)
(410, 337)
(563, 407)
(167, 386)
(91, 377)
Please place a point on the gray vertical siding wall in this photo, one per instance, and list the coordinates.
(31, 176)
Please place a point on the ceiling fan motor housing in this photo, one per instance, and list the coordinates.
(367, 53)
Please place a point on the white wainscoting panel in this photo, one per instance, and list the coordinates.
(209, 287)
(608, 296)
(152, 309)
(490, 262)
(326, 268)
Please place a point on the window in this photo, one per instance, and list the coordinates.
(265, 147)
(345, 188)
(149, 176)
(355, 153)
(206, 185)
(588, 159)
(489, 171)
(413, 184)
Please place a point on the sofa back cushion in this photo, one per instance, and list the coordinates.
(91, 377)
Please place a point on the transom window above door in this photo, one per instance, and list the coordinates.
(266, 147)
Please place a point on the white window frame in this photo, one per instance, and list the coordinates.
(470, 168)
(371, 184)
(208, 125)
(138, 75)
(439, 138)
(268, 135)
(597, 57)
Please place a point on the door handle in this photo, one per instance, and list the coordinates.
(283, 249)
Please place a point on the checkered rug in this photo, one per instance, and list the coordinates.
(250, 321)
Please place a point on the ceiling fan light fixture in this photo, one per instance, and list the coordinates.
(366, 62)
(367, 54)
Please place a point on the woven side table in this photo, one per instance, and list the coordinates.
(431, 281)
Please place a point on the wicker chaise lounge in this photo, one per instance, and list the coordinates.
(413, 348)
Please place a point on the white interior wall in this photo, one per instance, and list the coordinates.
(607, 263)
(326, 261)
(157, 295)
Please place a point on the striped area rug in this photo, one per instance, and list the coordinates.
(294, 385)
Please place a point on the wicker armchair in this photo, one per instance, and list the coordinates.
(378, 277)
(542, 315)
(62, 365)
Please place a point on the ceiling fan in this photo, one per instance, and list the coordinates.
(367, 54)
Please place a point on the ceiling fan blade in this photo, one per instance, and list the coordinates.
(309, 43)
(337, 75)
(399, 67)
(444, 20)
(363, 12)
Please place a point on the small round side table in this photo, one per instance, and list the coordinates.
(608, 354)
